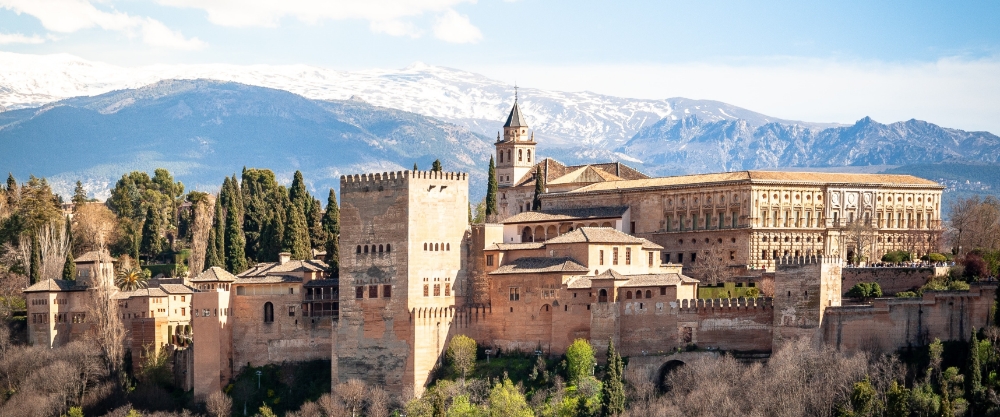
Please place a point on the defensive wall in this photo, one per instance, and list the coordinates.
(889, 324)
(892, 279)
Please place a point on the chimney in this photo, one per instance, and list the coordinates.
(284, 257)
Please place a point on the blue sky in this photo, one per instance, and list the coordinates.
(820, 61)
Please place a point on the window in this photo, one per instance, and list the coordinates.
(614, 256)
(520, 155)
(386, 291)
(291, 311)
(268, 312)
(529, 155)
(601, 257)
(649, 293)
(437, 290)
(373, 291)
(501, 157)
(388, 248)
(631, 227)
(425, 246)
(182, 298)
(380, 248)
(694, 257)
(638, 294)
(359, 292)
(663, 290)
(650, 259)
(427, 290)
(628, 256)
(628, 295)
(447, 290)
(366, 248)
(515, 294)
(508, 159)
(489, 260)
(666, 258)
(680, 258)
(732, 255)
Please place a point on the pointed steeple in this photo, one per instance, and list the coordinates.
(515, 119)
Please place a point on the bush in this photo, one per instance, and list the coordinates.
(975, 267)
(934, 257)
(906, 294)
(865, 290)
(580, 360)
(958, 286)
(897, 256)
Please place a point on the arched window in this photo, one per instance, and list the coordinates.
(501, 156)
(520, 155)
(638, 294)
(359, 248)
(425, 246)
(508, 155)
(388, 247)
(648, 294)
(380, 248)
(602, 296)
(366, 248)
(435, 247)
(529, 155)
(268, 312)
(448, 246)
(628, 295)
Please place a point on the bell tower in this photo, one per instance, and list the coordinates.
(515, 149)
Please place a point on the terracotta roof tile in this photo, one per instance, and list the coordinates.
(267, 279)
(214, 274)
(763, 177)
(613, 212)
(94, 256)
(596, 235)
(539, 265)
(55, 285)
(176, 289)
(654, 280)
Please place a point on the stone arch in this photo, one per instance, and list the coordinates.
(664, 372)
(381, 248)
(526, 234)
(388, 247)
(539, 234)
(564, 228)
(593, 224)
(628, 295)
(649, 294)
(606, 224)
(359, 249)
(550, 232)
(638, 295)
(602, 295)
(268, 312)
(366, 248)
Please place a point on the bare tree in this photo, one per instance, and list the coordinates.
(378, 402)
(94, 227)
(331, 406)
(219, 404)
(975, 223)
(108, 331)
(859, 236)
(353, 393)
(202, 224)
(713, 266)
(53, 242)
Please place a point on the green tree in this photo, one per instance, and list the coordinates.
(491, 192)
(897, 401)
(35, 266)
(131, 279)
(462, 407)
(865, 399)
(152, 242)
(462, 354)
(975, 372)
(436, 166)
(536, 202)
(236, 260)
(79, 194)
(612, 386)
(506, 400)
(296, 238)
(297, 194)
(217, 238)
(865, 290)
(69, 267)
(579, 360)
(331, 224)
(262, 202)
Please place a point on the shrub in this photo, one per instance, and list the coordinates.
(462, 354)
(906, 294)
(865, 290)
(958, 286)
(580, 360)
(935, 257)
(897, 256)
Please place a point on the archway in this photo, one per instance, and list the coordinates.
(526, 234)
(664, 372)
(602, 296)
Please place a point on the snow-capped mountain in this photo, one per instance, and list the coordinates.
(582, 123)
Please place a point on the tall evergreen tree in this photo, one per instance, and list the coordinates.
(436, 166)
(415, 166)
(331, 224)
(975, 371)
(236, 260)
(491, 192)
(612, 386)
(69, 268)
(35, 265)
(151, 244)
(314, 219)
(11, 189)
(261, 202)
(297, 194)
(79, 194)
(272, 238)
(536, 203)
(296, 238)
(215, 251)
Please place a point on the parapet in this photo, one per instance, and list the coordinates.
(724, 303)
(358, 181)
(807, 260)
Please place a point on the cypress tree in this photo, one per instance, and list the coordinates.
(69, 268)
(271, 238)
(314, 218)
(12, 188)
(79, 194)
(236, 260)
(331, 224)
(298, 194)
(414, 167)
(215, 247)
(536, 203)
(491, 192)
(436, 166)
(151, 243)
(296, 238)
(975, 371)
(35, 267)
(612, 387)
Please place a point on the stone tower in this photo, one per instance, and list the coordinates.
(515, 150)
(803, 288)
(402, 273)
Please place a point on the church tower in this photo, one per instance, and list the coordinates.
(515, 150)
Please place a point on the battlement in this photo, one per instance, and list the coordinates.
(807, 260)
(690, 305)
(358, 181)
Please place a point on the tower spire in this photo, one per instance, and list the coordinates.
(515, 92)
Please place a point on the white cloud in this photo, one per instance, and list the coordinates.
(952, 92)
(383, 16)
(8, 38)
(455, 28)
(67, 16)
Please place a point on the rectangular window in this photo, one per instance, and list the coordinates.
(721, 219)
(628, 256)
(666, 258)
(632, 227)
(680, 258)
(447, 290)
(359, 292)
(489, 260)
(614, 256)
(601, 253)
(426, 290)
(663, 290)
(373, 291)
(182, 298)
(386, 291)
(183, 311)
(670, 223)
(694, 222)
(291, 311)
(651, 259)
(515, 295)
(694, 257)
(437, 290)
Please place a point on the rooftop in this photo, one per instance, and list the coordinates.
(553, 170)
(596, 235)
(515, 119)
(267, 279)
(176, 289)
(568, 214)
(142, 292)
(276, 268)
(764, 177)
(94, 256)
(214, 274)
(539, 265)
(55, 285)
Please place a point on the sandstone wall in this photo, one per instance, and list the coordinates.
(726, 324)
(288, 338)
(892, 280)
(211, 351)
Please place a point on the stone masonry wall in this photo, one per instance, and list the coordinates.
(892, 280)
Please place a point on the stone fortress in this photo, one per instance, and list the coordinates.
(612, 255)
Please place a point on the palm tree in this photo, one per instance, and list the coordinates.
(131, 279)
